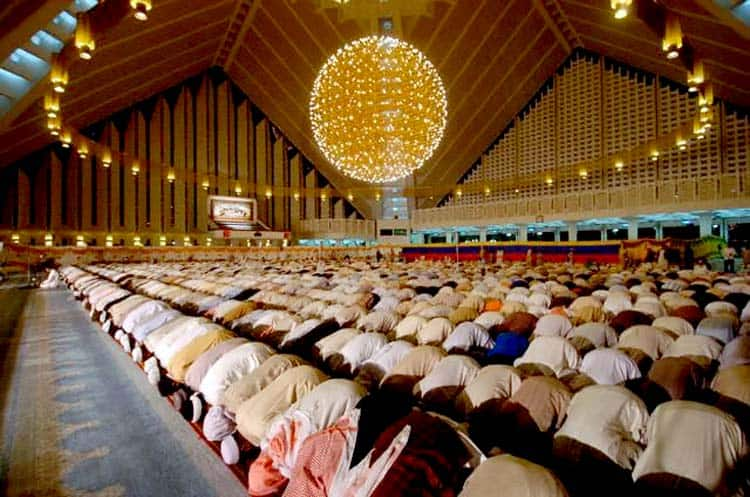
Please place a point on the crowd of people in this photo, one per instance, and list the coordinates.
(383, 378)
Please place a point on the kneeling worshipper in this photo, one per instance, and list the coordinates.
(736, 353)
(609, 367)
(509, 476)
(469, 338)
(258, 379)
(524, 423)
(721, 327)
(254, 415)
(381, 363)
(230, 367)
(556, 353)
(508, 347)
(589, 336)
(415, 365)
(493, 383)
(672, 378)
(650, 340)
(438, 390)
(53, 280)
(317, 410)
(431, 462)
(178, 365)
(692, 449)
(356, 352)
(600, 441)
(734, 383)
(700, 349)
(200, 366)
(326, 347)
(304, 335)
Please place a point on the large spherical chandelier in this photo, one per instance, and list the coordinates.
(378, 109)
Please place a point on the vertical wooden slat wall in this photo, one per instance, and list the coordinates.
(203, 129)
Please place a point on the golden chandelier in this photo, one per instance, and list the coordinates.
(378, 109)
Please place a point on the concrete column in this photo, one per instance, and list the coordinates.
(632, 229)
(724, 229)
(659, 231)
(523, 233)
(449, 237)
(483, 235)
(704, 224)
(604, 233)
(557, 234)
(572, 231)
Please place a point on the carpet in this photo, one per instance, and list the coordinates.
(80, 419)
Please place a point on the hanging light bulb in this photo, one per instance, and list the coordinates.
(83, 150)
(706, 99)
(106, 159)
(654, 155)
(487, 191)
(699, 130)
(323, 196)
(171, 176)
(549, 181)
(296, 196)
(269, 194)
(681, 143)
(52, 104)
(53, 125)
(135, 168)
(583, 174)
(238, 189)
(84, 41)
(350, 197)
(696, 77)
(621, 8)
(672, 41)
(65, 139)
(206, 184)
(58, 74)
(619, 165)
(142, 8)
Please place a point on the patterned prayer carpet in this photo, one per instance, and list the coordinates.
(80, 419)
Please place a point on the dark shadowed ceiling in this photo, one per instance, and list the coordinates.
(492, 55)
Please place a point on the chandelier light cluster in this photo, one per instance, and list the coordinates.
(378, 109)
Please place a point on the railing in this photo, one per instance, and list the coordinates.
(337, 229)
(722, 192)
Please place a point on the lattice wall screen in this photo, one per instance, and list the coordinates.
(737, 136)
(579, 121)
(595, 108)
(629, 119)
(536, 143)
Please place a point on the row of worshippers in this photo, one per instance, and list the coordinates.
(449, 382)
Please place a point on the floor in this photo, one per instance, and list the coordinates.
(80, 419)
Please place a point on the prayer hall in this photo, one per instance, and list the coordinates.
(374, 248)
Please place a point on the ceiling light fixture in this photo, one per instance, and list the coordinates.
(621, 8)
(84, 41)
(672, 41)
(378, 109)
(142, 8)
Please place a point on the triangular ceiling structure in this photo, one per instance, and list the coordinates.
(493, 57)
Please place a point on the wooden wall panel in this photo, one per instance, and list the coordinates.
(203, 129)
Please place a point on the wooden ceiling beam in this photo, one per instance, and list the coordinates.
(726, 17)
(239, 24)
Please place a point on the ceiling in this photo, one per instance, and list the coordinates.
(493, 56)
